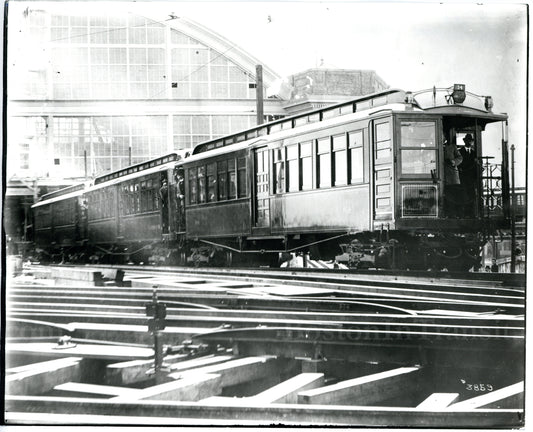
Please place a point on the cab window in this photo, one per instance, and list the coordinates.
(418, 148)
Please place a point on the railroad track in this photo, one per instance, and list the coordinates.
(438, 338)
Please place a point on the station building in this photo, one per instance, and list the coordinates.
(91, 92)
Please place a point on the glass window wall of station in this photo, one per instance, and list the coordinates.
(118, 57)
(80, 146)
(26, 145)
(189, 130)
(96, 145)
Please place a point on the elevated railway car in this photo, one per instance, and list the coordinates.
(59, 220)
(365, 181)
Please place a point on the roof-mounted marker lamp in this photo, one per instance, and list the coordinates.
(489, 103)
(459, 93)
(409, 100)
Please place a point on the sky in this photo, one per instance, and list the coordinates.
(412, 46)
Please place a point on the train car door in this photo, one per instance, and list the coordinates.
(383, 169)
(262, 191)
(417, 169)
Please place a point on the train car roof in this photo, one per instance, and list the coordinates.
(63, 191)
(134, 175)
(75, 192)
(275, 137)
(143, 166)
(225, 150)
(362, 103)
(431, 101)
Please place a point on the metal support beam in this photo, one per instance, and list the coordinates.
(366, 390)
(513, 215)
(235, 371)
(287, 391)
(39, 378)
(437, 401)
(190, 388)
(95, 389)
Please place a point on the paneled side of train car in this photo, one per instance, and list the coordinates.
(102, 215)
(381, 159)
(321, 181)
(58, 222)
(42, 217)
(141, 203)
(218, 195)
(65, 221)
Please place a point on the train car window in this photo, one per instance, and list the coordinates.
(324, 162)
(241, 177)
(124, 199)
(211, 182)
(301, 121)
(383, 141)
(193, 186)
(379, 101)
(222, 168)
(145, 203)
(363, 105)
(279, 168)
(293, 174)
(286, 125)
(201, 185)
(330, 113)
(131, 199)
(418, 148)
(137, 198)
(340, 161)
(355, 145)
(262, 132)
(275, 128)
(346, 109)
(306, 165)
(232, 180)
(313, 118)
(153, 201)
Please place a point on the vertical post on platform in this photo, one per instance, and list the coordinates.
(513, 213)
(158, 354)
(85, 162)
(158, 312)
(259, 93)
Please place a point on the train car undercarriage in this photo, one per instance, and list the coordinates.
(402, 250)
